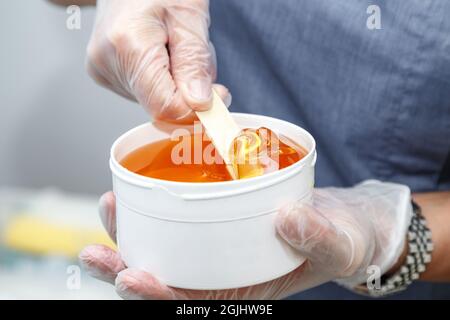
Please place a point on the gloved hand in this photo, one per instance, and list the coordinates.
(158, 53)
(341, 232)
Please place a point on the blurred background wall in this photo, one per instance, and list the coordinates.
(56, 124)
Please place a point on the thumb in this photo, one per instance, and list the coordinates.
(192, 56)
(326, 246)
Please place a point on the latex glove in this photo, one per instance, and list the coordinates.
(341, 232)
(156, 52)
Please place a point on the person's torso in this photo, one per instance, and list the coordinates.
(376, 101)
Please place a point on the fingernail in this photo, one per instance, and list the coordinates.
(228, 99)
(124, 286)
(200, 90)
(85, 256)
(87, 262)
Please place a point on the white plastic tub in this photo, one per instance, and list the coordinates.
(208, 235)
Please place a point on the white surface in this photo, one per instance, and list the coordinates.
(209, 235)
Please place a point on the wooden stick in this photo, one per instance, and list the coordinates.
(221, 129)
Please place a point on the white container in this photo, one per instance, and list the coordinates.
(215, 235)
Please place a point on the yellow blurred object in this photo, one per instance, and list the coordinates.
(36, 235)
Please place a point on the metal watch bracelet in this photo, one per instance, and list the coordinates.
(420, 247)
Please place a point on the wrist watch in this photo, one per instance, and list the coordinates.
(420, 247)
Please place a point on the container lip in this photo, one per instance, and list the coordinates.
(148, 182)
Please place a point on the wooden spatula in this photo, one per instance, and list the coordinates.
(221, 129)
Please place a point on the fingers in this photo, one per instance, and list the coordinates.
(133, 284)
(107, 212)
(316, 238)
(149, 74)
(131, 58)
(103, 81)
(192, 56)
(139, 285)
(155, 88)
(136, 284)
(101, 262)
(157, 53)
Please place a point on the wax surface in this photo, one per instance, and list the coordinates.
(193, 158)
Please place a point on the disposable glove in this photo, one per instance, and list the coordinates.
(158, 53)
(341, 232)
